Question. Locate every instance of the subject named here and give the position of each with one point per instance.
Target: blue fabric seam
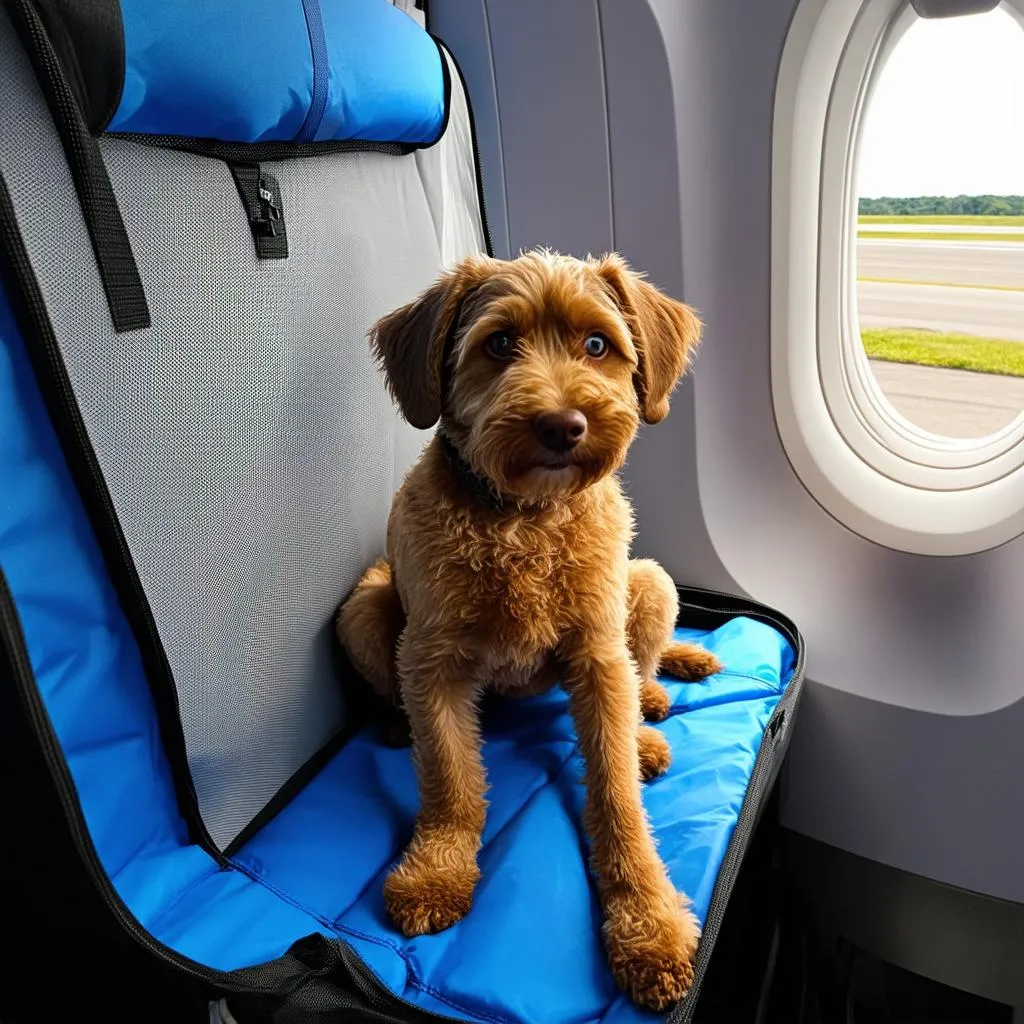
(737, 675)
(151, 926)
(384, 868)
(418, 982)
(684, 708)
(548, 781)
(252, 873)
(255, 876)
(318, 51)
(336, 925)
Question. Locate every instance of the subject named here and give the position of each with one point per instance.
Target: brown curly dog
(508, 569)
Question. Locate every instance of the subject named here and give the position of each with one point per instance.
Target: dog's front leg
(649, 933)
(432, 886)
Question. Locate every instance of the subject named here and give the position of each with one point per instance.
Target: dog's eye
(596, 346)
(501, 345)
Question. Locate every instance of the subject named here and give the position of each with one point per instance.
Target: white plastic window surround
(416, 13)
(873, 470)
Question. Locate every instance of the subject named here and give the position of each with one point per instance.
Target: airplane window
(940, 233)
(897, 331)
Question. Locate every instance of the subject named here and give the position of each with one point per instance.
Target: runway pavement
(996, 264)
(942, 229)
(954, 403)
(896, 292)
(981, 311)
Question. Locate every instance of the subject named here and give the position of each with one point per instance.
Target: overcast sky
(947, 117)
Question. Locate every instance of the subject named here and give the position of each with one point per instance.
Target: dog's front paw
(424, 897)
(651, 954)
(655, 753)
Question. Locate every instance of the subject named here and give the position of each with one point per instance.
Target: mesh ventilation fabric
(246, 438)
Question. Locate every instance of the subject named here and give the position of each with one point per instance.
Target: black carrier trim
(44, 353)
(247, 152)
(709, 609)
(114, 259)
(78, 897)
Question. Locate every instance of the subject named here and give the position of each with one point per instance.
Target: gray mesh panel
(246, 437)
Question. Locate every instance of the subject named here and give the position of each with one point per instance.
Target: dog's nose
(560, 431)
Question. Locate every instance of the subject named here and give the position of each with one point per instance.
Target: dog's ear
(409, 343)
(665, 332)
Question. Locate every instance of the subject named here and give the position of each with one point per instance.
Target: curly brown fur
(536, 585)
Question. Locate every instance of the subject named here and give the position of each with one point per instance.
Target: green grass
(966, 221)
(944, 236)
(954, 351)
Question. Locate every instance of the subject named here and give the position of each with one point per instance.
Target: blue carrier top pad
(280, 71)
(530, 948)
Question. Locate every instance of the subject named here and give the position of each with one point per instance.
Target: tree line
(943, 206)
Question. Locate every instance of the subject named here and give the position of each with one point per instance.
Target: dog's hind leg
(653, 609)
(369, 624)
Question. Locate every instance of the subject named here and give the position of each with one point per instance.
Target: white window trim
(880, 475)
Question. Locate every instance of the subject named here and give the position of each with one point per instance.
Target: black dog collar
(479, 486)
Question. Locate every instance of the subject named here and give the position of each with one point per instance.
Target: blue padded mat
(280, 71)
(528, 951)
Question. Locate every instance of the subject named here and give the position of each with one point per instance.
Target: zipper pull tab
(261, 199)
(269, 209)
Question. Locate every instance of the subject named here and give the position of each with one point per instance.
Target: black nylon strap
(88, 39)
(261, 199)
(118, 271)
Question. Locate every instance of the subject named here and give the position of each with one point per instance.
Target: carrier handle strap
(119, 273)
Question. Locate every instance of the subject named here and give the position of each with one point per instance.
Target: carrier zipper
(733, 605)
(766, 767)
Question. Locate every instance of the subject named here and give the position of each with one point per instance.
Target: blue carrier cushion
(197, 456)
(251, 71)
(310, 71)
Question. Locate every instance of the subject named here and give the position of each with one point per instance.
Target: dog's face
(541, 367)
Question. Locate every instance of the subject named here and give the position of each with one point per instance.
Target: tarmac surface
(921, 283)
(953, 403)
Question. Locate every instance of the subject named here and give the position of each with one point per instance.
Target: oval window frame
(887, 479)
